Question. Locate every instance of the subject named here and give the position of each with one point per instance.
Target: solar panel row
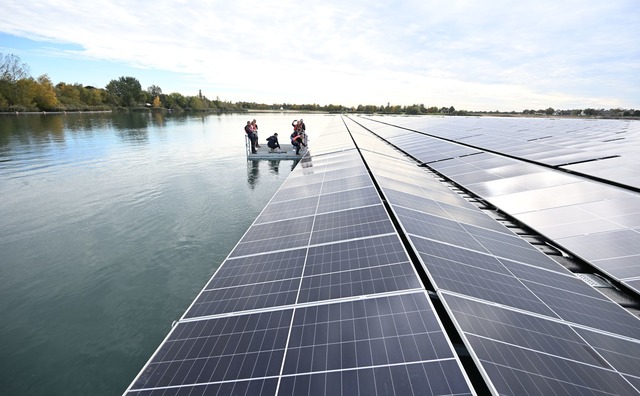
(595, 221)
(319, 297)
(532, 326)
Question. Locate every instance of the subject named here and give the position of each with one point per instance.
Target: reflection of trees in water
(32, 128)
(132, 126)
(87, 122)
(253, 168)
(131, 120)
(157, 118)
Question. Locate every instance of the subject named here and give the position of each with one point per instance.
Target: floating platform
(287, 151)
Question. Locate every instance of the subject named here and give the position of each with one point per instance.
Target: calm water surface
(110, 224)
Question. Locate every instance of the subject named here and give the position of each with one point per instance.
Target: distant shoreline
(506, 115)
(52, 112)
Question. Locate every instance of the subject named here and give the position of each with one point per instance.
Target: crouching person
(272, 143)
(297, 141)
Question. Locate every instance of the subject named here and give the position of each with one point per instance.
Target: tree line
(19, 92)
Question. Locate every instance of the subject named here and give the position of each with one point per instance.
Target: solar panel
(507, 274)
(328, 299)
(318, 297)
(536, 355)
(539, 195)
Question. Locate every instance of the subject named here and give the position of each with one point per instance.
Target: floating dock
(287, 152)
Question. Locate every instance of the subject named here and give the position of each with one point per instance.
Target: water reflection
(158, 119)
(133, 120)
(134, 135)
(274, 166)
(42, 129)
(253, 170)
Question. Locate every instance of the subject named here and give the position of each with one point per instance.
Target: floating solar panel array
(531, 326)
(325, 292)
(520, 166)
(319, 297)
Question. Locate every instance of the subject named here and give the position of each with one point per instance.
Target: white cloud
(470, 54)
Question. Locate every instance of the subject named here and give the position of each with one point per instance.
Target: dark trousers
(253, 139)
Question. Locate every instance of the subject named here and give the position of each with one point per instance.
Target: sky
(483, 55)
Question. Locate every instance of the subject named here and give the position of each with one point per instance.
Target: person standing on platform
(254, 127)
(252, 137)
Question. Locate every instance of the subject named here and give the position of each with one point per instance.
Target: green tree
(154, 90)
(68, 95)
(25, 93)
(195, 103)
(45, 95)
(176, 101)
(125, 91)
(91, 96)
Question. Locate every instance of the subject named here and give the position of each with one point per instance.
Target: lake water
(110, 224)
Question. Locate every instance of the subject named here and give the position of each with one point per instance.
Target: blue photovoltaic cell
(524, 330)
(274, 236)
(593, 312)
(356, 254)
(342, 173)
(347, 183)
(476, 275)
(259, 268)
(605, 245)
(223, 349)
(524, 354)
(240, 388)
(297, 192)
(518, 371)
(349, 224)
(418, 203)
(365, 333)
(397, 184)
(474, 217)
(437, 228)
(288, 210)
(382, 279)
(425, 379)
(243, 298)
(348, 199)
(622, 354)
(509, 246)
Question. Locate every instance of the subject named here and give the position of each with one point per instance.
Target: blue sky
(475, 55)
